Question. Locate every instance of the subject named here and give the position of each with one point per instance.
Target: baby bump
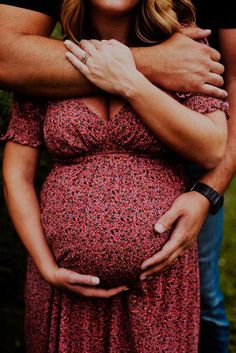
(102, 224)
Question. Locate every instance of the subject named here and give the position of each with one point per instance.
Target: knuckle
(165, 257)
(196, 85)
(71, 278)
(168, 262)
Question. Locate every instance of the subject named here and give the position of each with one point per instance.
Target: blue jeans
(214, 327)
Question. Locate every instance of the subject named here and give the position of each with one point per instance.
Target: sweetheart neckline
(105, 121)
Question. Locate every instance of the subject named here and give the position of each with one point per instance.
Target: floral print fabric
(109, 184)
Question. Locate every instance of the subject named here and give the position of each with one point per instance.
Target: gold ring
(84, 58)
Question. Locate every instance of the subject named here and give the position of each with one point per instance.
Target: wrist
(215, 199)
(49, 273)
(205, 203)
(147, 60)
(131, 87)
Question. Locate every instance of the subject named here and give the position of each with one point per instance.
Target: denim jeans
(214, 327)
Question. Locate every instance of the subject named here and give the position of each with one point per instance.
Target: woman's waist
(158, 156)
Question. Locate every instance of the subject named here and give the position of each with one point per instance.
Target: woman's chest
(78, 127)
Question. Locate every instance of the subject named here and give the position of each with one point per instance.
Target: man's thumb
(166, 221)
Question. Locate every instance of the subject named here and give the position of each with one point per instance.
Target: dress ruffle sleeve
(26, 122)
(201, 103)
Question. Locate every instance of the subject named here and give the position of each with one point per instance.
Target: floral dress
(109, 183)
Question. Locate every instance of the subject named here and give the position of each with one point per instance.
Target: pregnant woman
(118, 165)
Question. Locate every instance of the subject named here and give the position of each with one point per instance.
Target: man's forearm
(37, 66)
(220, 178)
(30, 62)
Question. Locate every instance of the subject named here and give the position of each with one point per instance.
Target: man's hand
(182, 64)
(186, 217)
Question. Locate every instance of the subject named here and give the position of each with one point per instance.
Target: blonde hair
(153, 20)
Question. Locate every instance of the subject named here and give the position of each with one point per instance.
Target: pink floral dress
(109, 183)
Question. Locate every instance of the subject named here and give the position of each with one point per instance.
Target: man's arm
(189, 211)
(220, 178)
(183, 64)
(31, 63)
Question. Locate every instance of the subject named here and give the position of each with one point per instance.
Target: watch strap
(216, 199)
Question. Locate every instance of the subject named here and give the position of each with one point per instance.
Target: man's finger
(172, 245)
(163, 265)
(215, 80)
(166, 221)
(214, 54)
(196, 33)
(175, 242)
(217, 68)
(214, 91)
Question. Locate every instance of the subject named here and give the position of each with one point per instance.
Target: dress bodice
(72, 130)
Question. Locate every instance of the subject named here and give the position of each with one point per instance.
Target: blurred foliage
(13, 258)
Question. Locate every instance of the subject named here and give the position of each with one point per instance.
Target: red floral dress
(109, 183)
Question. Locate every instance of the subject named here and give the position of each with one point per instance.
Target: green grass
(228, 261)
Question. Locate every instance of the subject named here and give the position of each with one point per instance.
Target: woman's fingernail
(67, 42)
(159, 228)
(126, 289)
(95, 280)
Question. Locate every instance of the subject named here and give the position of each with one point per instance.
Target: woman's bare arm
(199, 138)
(111, 67)
(19, 166)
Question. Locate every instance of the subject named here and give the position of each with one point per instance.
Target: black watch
(216, 199)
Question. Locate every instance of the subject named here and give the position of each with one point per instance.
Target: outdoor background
(13, 260)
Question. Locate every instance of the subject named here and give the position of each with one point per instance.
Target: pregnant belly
(102, 224)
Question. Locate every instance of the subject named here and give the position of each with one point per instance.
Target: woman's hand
(81, 284)
(108, 64)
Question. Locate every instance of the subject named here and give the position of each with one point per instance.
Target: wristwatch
(216, 199)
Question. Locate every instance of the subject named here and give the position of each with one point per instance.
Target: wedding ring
(84, 58)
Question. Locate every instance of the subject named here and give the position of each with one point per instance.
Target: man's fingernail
(95, 280)
(159, 228)
(126, 289)
(143, 277)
